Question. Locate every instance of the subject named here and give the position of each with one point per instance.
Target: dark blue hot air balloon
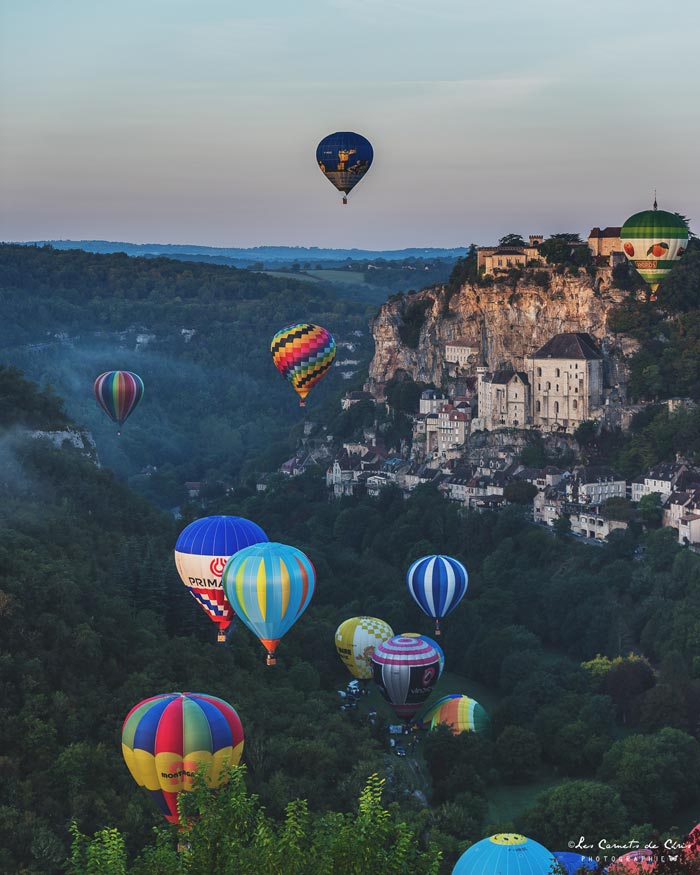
(575, 864)
(344, 157)
(437, 584)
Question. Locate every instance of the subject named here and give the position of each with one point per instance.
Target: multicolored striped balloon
(437, 584)
(269, 587)
(356, 640)
(406, 669)
(201, 553)
(458, 712)
(507, 854)
(303, 353)
(167, 738)
(653, 241)
(118, 393)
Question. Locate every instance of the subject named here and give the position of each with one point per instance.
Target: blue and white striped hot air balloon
(437, 584)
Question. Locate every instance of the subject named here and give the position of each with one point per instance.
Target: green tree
(520, 492)
(573, 809)
(517, 754)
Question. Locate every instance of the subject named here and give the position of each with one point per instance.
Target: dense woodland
(587, 660)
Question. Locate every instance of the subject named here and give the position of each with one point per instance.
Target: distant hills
(269, 256)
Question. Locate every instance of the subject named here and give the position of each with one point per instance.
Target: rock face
(507, 321)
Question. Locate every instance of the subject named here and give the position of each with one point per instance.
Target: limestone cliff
(506, 320)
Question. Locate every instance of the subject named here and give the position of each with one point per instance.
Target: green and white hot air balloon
(653, 241)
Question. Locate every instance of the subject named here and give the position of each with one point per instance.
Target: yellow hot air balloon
(356, 640)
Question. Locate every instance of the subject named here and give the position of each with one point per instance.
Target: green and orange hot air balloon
(653, 241)
(303, 353)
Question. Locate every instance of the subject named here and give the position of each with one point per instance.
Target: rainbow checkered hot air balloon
(303, 353)
(506, 854)
(437, 584)
(458, 712)
(201, 553)
(118, 393)
(269, 587)
(167, 738)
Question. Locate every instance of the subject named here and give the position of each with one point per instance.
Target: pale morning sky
(197, 120)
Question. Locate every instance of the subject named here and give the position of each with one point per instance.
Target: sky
(196, 121)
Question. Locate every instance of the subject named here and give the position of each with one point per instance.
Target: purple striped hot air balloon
(437, 585)
(406, 669)
(118, 393)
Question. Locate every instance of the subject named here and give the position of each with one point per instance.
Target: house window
(539, 372)
(556, 408)
(557, 373)
(539, 386)
(537, 406)
(557, 387)
(575, 403)
(549, 385)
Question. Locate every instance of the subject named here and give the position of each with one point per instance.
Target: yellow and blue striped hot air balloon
(167, 738)
(303, 353)
(269, 587)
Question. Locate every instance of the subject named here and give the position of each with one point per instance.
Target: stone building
(566, 382)
(504, 399)
(446, 430)
(492, 259)
(462, 353)
(606, 242)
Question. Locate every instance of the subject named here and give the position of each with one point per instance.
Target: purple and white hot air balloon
(437, 584)
(406, 669)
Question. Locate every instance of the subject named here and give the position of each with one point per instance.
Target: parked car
(400, 751)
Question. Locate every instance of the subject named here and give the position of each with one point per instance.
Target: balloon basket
(345, 201)
(437, 630)
(302, 403)
(271, 659)
(221, 636)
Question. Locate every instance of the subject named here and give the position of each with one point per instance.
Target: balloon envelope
(653, 241)
(406, 669)
(459, 713)
(269, 587)
(201, 553)
(575, 864)
(441, 652)
(356, 640)
(506, 854)
(303, 353)
(437, 584)
(118, 393)
(344, 158)
(167, 738)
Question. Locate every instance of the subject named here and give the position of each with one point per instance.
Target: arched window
(549, 385)
(537, 406)
(556, 408)
(557, 373)
(539, 372)
(557, 385)
(575, 404)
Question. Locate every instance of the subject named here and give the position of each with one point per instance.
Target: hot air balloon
(634, 862)
(201, 553)
(303, 353)
(344, 157)
(118, 393)
(575, 864)
(653, 241)
(269, 587)
(167, 738)
(437, 584)
(506, 854)
(693, 842)
(406, 669)
(459, 713)
(356, 640)
(441, 652)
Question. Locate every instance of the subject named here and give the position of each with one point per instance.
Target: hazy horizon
(170, 122)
